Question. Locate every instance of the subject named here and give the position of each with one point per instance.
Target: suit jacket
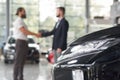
(60, 35)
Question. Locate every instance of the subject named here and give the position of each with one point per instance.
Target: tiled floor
(40, 71)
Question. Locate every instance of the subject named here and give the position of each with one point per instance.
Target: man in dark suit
(59, 32)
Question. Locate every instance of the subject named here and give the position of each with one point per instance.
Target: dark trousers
(20, 56)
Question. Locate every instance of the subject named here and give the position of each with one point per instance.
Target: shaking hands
(38, 35)
(40, 32)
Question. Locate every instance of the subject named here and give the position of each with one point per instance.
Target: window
(2, 20)
(100, 15)
(100, 8)
(32, 11)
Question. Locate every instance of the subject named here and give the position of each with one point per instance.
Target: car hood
(89, 48)
(8, 45)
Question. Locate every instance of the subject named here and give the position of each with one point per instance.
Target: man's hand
(27, 32)
(59, 50)
(38, 35)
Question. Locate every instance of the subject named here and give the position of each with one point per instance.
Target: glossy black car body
(95, 56)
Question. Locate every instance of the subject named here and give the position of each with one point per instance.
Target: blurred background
(84, 16)
(41, 15)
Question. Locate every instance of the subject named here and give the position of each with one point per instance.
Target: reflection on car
(9, 50)
(95, 56)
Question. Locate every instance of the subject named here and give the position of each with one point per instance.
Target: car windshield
(12, 41)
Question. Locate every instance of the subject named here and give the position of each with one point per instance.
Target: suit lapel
(59, 24)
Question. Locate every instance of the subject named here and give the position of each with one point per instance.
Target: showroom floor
(40, 71)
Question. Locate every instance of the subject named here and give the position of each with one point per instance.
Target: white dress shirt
(58, 22)
(18, 23)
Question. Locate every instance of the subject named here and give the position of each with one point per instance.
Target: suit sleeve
(49, 33)
(64, 31)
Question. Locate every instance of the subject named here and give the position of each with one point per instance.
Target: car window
(11, 41)
(30, 40)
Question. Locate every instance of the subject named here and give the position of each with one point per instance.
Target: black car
(9, 50)
(95, 56)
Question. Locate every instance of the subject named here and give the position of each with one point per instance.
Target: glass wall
(47, 21)
(100, 8)
(75, 13)
(2, 20)
(100, 14)
(32, 10)
(41, 14)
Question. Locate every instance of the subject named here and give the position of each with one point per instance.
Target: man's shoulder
(64, 20)
(18, 20)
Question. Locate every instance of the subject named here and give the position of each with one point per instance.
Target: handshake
(38, 35)
(40, 32)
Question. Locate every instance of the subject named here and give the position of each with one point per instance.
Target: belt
(21, 40)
